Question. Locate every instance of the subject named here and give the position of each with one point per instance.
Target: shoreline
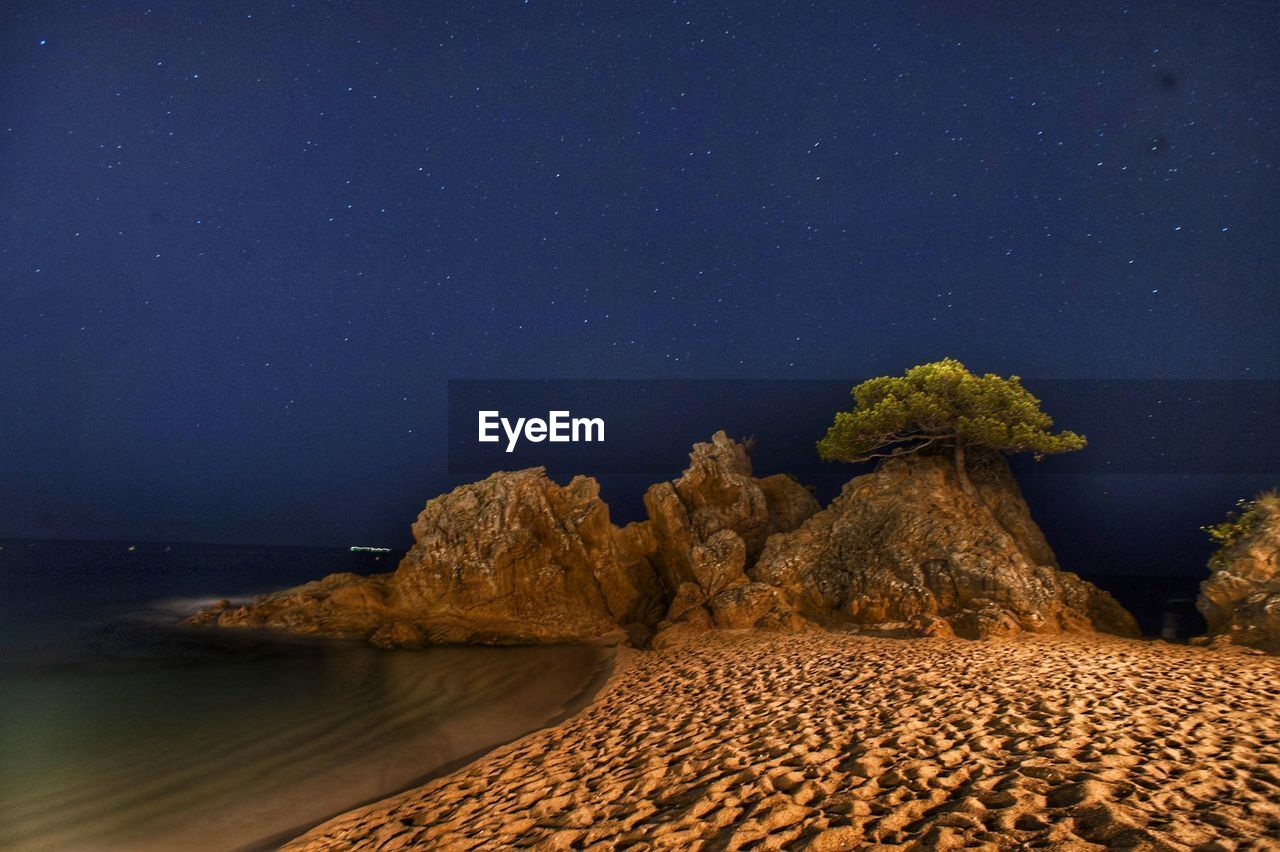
(278, 733)
(835, 741)
(612, 664)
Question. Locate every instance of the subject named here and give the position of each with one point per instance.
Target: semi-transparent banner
(643, 426)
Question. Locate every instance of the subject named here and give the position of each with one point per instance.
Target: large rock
(514, 558)
(710, 526)
(340, 605)
(906, 548)
(1241, 598)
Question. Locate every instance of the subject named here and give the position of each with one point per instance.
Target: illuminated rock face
(512, 559)
(710, 526)
(1241, 598)
(905, 549)
(516, 558)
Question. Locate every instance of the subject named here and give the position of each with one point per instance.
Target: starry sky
(245, 246)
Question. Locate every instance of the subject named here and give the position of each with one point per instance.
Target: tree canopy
(944, 406)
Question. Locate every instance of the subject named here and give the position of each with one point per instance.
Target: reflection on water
(190, 744)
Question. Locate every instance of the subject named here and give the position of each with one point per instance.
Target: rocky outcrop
(906, 549)
(518, 559)
(714, 520)
(710, 526)
(345, 606)
(514, 558)
(1241, 598)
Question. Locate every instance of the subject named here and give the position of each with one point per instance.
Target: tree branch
(901, 451)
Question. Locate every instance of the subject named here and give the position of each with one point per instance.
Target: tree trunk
(962, 473)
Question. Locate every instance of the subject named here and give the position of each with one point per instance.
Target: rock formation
(1241, 598)
(904, 548)
(514, 558)
(710, 525)
(517, 559)
(346, 606)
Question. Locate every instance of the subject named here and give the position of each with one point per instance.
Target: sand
(834, 741)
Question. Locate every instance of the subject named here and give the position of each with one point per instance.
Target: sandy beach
(835, 741)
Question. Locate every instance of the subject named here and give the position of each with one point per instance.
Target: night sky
(245, 246)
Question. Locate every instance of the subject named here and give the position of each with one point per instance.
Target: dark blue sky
(245, 245)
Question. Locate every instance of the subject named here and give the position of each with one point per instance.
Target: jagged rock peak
(712, 522)
(710, 526)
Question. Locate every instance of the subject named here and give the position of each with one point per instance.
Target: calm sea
(120, 730)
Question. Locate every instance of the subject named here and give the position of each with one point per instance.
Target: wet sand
(835, 741)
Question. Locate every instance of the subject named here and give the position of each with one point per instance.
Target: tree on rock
(1241, 524)
(943, 407)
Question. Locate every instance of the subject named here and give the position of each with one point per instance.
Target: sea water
(120, 729)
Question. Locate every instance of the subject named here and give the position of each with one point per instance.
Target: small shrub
(1241, 523)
